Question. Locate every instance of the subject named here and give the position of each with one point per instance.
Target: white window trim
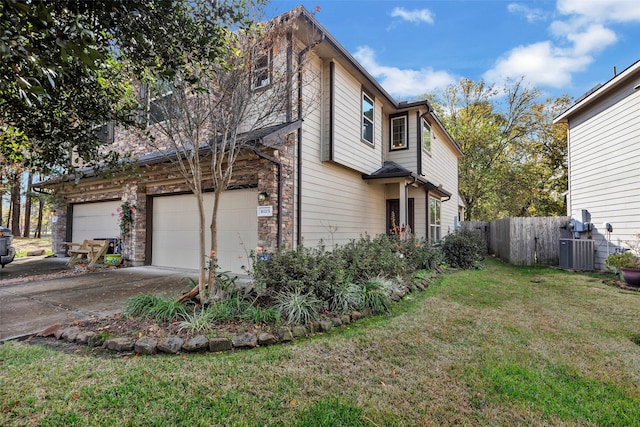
(426, 147)
(404, 136)
(438, 224)
(257, 71)
(373, 122)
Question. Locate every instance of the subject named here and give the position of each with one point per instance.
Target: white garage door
(176, 230)
(95, 220)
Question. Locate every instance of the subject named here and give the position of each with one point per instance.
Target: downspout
(279, 218)
(301, 56)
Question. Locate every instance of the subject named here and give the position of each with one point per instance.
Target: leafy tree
(67, 65)
(207, 113)
(515, 158)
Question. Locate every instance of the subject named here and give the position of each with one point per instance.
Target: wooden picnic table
(90, 250)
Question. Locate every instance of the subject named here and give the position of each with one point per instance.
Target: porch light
(263, 196)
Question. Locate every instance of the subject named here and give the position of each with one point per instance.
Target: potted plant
(626, 263)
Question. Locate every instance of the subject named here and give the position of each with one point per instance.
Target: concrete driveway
(32, 298)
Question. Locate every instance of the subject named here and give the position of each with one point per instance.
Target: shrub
(376, 295)
(420, 254)
(314, 270)
(366, 258)
(621, 260)
(464, 248)
(297, 307)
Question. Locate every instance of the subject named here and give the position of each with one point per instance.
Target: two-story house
(347, 159)
(603, 141)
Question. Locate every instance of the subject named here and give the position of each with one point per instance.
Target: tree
(211, 113)
(67, 65)
(514, 156)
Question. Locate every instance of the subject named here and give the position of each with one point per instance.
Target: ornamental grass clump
(157, 308)
(376, 295)
(298, 307)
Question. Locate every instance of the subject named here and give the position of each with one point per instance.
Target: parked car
(7, 252)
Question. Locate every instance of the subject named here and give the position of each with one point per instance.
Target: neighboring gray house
(356, 160)
(604, 159)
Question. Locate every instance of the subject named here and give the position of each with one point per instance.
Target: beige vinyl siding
(605, 177)
(440, 167)
(420, 211)
(337, 204)
(348, 148)
(408, 157)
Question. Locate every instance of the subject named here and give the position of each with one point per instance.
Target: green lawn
(499, 346)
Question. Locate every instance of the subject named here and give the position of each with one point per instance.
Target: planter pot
(631, 276)
(113, 259)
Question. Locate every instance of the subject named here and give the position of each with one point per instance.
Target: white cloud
(540, 64)
(416, 16)
(530, 14)
(403, 83)
(601, 10)
(594, 39)
(583, 32)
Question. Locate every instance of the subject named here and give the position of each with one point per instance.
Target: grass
(499, 346)
(24, 246)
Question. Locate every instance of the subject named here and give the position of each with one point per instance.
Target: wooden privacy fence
(524, 241)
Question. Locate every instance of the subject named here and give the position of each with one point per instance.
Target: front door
(394, 223)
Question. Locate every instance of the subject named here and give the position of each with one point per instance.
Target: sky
(562, 47)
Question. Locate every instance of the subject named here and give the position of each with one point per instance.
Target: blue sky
(419, 46)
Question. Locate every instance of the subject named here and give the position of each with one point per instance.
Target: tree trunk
(40, 213)
(27, 208)
(213, 228)
(15, 205)
(202, 279)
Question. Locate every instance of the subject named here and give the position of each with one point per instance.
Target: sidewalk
(33, 298)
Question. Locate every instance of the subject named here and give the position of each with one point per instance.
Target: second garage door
(176, 230)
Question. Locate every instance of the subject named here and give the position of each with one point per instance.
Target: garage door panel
(95, 220)
(176, 224)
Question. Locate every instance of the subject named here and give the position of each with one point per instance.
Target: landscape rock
(36, 252)
(146, 345)
(325, 325)
(50, 330)
(266, 338)
(219, 344)
(336, 321)
(96, 340)
(119, 344)
(284, 334)
(83, 337)
(170, 345)
(356, 315)
(244, 340)
(70, 334)
(346, 319)
(197, 343)
(299, 331)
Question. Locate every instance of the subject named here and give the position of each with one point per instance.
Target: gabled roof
(630, 73)
(394, 170)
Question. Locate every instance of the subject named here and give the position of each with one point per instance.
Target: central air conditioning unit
(577, 254)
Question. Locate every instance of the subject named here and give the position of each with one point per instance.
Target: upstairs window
(367, 118)
(426, 136)
(399, 133)
(105, 133)
(157, 101)
(262, 69)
